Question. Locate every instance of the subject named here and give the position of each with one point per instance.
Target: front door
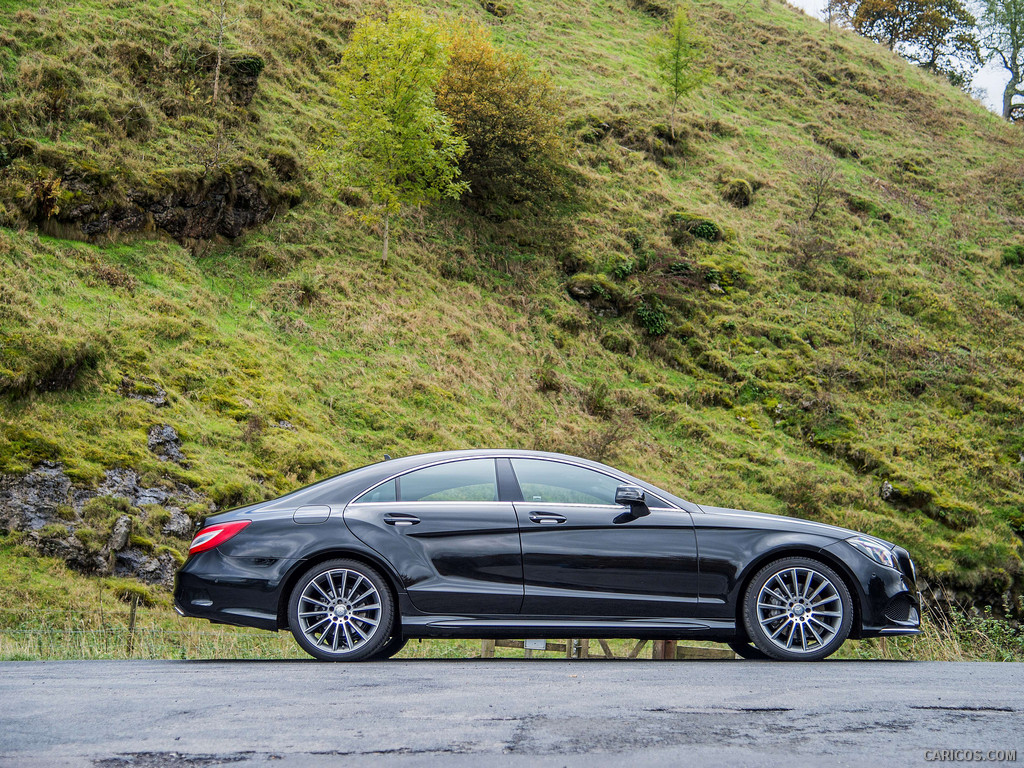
(585, 555)
(444, 531)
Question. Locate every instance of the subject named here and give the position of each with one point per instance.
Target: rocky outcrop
(138, 564)
(120, 535)
(146, 390)
(31, 502)
(163, 440)
(49, 508)
(225, 205)
(180, 525)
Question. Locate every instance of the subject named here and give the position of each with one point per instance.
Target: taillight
(215, 535)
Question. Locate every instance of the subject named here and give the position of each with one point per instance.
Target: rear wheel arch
(812, 553)
(333, 554)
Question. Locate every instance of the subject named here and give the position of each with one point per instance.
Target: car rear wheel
(797, 609)
(341, 610)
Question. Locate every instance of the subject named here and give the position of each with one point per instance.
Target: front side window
(471, 480)
(552, 482)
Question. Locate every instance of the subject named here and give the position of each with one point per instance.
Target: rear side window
(384, 492)
(555, 483)
(471, 480)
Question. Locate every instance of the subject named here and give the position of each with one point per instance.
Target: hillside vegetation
(679, 313)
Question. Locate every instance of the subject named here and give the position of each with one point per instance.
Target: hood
(783, 523)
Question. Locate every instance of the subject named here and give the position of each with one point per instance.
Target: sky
(991, 78)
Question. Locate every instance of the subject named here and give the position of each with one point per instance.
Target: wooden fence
(664, 650)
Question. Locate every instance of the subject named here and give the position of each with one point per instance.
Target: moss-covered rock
(598, 293)
(739, 192)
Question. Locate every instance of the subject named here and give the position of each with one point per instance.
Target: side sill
(505, 627)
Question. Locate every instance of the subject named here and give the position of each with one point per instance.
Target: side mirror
(635, 498)
(630, 495)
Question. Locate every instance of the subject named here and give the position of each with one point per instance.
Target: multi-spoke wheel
(341, 610)
(797, 609)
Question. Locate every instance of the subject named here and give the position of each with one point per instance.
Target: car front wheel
(797, 609)
(341, 610)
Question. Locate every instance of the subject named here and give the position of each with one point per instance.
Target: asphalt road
(499, 712)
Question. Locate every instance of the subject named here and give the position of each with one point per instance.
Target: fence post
(131, 625)
(486, 649)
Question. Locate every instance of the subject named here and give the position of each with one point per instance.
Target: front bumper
(889, 603)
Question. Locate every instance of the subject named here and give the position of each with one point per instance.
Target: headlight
(875, 550)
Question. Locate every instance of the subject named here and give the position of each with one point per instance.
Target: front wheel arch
(837, 565)
(302, 566)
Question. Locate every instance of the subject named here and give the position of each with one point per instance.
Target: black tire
(747, 650)
(390, 648)
(776, 605)
(341, 610)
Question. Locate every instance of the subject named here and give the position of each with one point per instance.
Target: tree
(394, 142)
(937, 35)
(1002, 29)
(947, 44)
(680, 58)
(221, 22)
(510, 116)
(818, 176)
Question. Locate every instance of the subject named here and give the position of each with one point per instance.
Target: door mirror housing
(630, 495)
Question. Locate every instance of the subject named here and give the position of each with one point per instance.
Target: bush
(685, 226)
(659, 9)
(499, 9)
(623, 267)
(619, 343)
(651, 316)
(510, 117)
(1013, 256)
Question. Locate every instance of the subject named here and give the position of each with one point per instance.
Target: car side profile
(527, 544)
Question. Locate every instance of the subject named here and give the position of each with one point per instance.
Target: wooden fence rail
(578, 648)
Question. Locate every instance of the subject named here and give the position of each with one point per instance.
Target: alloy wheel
(339, 611)
(800, 610)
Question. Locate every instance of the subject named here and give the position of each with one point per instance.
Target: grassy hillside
(742, 356)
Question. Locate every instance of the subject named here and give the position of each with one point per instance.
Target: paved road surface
(109, 714)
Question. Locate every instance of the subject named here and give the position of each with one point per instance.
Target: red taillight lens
(215, 535)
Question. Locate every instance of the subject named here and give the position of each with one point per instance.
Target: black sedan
(524, 544)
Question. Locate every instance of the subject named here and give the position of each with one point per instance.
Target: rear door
(585, 555)
(443, 529)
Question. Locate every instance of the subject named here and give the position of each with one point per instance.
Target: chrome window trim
(511, 457)
(619, 480)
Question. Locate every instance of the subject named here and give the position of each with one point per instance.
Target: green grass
(880, 342)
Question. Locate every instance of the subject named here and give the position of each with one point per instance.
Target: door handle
(546, 518)
(400, 520)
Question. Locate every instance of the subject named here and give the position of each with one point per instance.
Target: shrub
(1013, 255)
(510, 116)
(623, 267)
(499, 9)
(684, 226)
(864, 207)
(651, 316)
(819, 177)
(659, 9)
(635, 238)
(619, 343)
